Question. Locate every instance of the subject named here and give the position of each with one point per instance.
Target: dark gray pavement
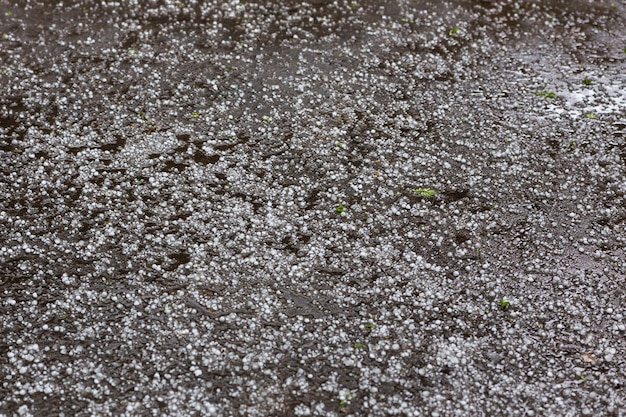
(332, 208)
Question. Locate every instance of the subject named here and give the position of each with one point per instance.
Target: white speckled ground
(324, 208)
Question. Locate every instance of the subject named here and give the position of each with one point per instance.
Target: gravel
(248, 208)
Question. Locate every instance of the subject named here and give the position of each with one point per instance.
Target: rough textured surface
(322, 208)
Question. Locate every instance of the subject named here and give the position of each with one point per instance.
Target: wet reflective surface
(320, 208)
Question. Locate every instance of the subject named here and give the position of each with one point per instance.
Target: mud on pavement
(312, 208)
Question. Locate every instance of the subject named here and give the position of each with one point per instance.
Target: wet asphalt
(333, 208)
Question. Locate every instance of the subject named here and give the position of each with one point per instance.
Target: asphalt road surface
(325, 208)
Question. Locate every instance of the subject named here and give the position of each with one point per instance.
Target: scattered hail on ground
(328, 208)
